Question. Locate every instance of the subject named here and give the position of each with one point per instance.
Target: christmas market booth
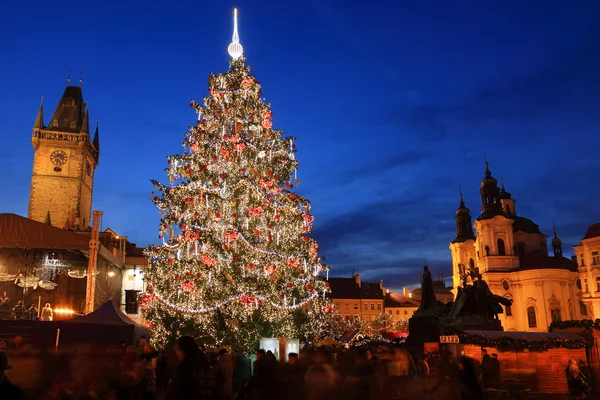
(107, 325)
(536, 361)
(42, 264)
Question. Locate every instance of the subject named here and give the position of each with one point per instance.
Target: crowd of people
(186, 370)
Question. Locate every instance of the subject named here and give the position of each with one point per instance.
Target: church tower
(494, 227)
(463, 245)
(65, 158)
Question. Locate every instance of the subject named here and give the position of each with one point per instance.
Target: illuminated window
(337, 305)
(347, 306)
(405, 312)
(372, 307)
(531, 317)
(581, 262)
(582, 308)
(356, 306)
(598, 284)
(366, 307)
(378, 307)
(397, 312)
(390, 312)
(595, 258)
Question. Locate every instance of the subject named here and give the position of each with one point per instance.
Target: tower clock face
(58, 157)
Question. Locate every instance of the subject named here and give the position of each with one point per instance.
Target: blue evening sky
(393, 104)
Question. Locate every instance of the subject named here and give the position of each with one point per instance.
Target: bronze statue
(428, 299)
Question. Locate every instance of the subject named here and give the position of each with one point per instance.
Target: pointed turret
(557, 244)
(97, 142)
(48, 219)
(39, 120)
(69, 115)
(490, 195)
(508, 203)
(464, 227)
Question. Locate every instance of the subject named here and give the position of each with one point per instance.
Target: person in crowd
(423, 368)
(470, 388)
(224, 372)
(586, 370)
(47, 313)
(18, 311)
(131, 374)
(142, 345)
(363, 383)
(193, 380)
(577, 384)
(291, 379)
(487, 368)
(447, 374)
(495, 363)
(8, 390)
(149, 375)
(32, 312)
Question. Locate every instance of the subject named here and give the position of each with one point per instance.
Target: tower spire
(235, 49)
(556, 243)
(39, 120)
(96, 140)
(69, 78)
(464, 227)
(80, 78)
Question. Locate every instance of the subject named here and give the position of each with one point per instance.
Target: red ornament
(198, 275)
(170, 261)
(277, 216)
(177, 279)
(250, 266)
(196, 214)
(227, 247)
(281, 296)
(218, 215)
(289, 285)
(326, 284)
(257, 232)
(188, 274)
(156, 198)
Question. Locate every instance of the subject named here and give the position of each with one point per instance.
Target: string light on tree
(237, 261)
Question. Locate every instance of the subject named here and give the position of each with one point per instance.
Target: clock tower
(64, 162)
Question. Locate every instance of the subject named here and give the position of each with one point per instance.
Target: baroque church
(511, 254)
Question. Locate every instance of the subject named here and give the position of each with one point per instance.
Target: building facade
(354, 299)
(511, 254)
(588, 284)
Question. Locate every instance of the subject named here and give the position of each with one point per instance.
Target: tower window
(501, 249)
(531, 317)
(508, 210)
(595, 258)
(582, 308)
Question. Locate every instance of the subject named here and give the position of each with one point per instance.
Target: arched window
(501, 249)
(556, 315)
(582, 306)
(508, 210)
(531, 317)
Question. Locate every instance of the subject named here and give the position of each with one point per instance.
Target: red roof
(593, 231)
(18, 232)
(540, 259)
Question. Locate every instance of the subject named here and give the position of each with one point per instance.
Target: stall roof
(529, 336)
(24, 233)
(107, 314)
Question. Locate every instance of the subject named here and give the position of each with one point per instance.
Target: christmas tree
(237, 262)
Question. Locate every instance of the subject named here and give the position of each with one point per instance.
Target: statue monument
(475, 308)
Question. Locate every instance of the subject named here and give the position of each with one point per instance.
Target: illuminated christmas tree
(237, 261)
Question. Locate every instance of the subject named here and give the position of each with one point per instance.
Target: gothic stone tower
(63, 165)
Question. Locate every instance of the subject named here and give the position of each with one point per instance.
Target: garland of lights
(229, 300)
(508, 343)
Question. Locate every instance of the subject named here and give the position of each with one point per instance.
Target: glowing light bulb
(235, 49)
